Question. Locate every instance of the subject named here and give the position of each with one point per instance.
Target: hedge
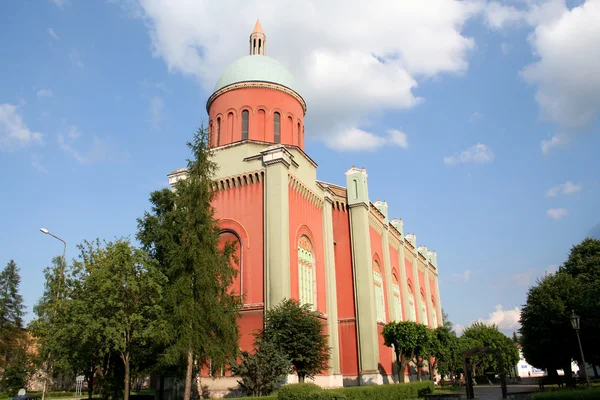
(577, 394)
(398, 391)
(270, 397)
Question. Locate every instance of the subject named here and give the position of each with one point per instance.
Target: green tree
(262, 371)
(12, 309)
(489, 336)
(443, 342)
(17, 371)
(124, 295)
(409, 340)
(182, 234)
(298, 332)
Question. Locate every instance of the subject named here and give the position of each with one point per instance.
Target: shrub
(395, 391)
(580, 394)
(272, 397)
(297, 391)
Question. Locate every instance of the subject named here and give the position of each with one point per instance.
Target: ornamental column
(412, 238)
(385, 243)
(366, 315)
(428, 298)
(277, 160)
(331, 291)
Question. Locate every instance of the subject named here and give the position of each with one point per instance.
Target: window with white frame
(424, 310)
(379, 296)
(307, 275)
(397, 301)
(412, 316)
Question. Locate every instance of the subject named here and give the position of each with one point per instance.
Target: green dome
(256, 68)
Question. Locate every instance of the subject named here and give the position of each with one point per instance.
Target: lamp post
(46, 232)
(575, 323)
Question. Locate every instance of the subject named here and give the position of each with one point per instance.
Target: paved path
(495, 392)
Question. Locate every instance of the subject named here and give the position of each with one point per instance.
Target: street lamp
(46, 232)
(575, 323)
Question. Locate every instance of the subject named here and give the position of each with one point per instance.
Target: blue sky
(476, 121)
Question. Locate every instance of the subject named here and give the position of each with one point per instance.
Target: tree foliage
(547, 336)
(262, 371)
(409, 340)
(298, 332)
(182, 234)
(480, 334)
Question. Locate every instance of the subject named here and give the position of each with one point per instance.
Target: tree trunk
(418, 365)
(187, 394)
(300, 378)
(127, 379)
(90, 383)
(161, 390)
(402, 373)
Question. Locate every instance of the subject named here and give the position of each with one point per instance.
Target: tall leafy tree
(298, 332)
(443, 342)
(124, 294)
(489, 336)
(182, 234)
(409, 340)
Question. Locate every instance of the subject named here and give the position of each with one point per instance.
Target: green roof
(256, 68)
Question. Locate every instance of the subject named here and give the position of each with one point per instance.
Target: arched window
(397, 302)
(218, 131)
(412, 313)
(277, 127)
(379, 296)
(299, 135)
(245, 116)
(433, 313)
(307, 273)
(230, 237)
(424, 310)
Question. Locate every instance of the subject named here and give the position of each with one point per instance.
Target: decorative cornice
(231, 182)
(304, 191)
(255, 84)
(351, 206)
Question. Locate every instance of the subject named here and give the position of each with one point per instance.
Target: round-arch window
(307, 272)
(379, 296)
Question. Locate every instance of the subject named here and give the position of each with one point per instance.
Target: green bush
(297, 391)
(577, 394)
(394, 391)
(271, 397)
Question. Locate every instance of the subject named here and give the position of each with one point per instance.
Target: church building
(324, 244)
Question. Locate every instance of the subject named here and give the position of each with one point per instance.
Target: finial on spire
(257, 40)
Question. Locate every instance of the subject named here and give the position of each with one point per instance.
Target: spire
(257, 40)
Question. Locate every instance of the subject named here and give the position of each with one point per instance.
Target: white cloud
(478, 154)
(99, 150)
(462, 277)
(355, 139)
(557, 213)
(505, 319)
(458, 328)
(350, 59)
(59, 3)
(13, 131)
(564, 188)
(156, 109)
(53, 34)
(44, 93)
(523, 278)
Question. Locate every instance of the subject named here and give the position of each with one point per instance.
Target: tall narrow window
(412, 316)
(307, 274)
(245, 114)
(277, 127)
(259, 45)
(424, 310)
(299, 138)
(397, 307)
(218, 131)
(355, 189)
(379, 296)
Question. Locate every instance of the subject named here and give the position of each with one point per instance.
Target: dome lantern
(257, 40)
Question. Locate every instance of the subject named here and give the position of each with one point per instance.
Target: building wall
(415, 285)
(345, 290)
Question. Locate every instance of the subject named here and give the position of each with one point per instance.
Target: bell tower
(257, 40)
